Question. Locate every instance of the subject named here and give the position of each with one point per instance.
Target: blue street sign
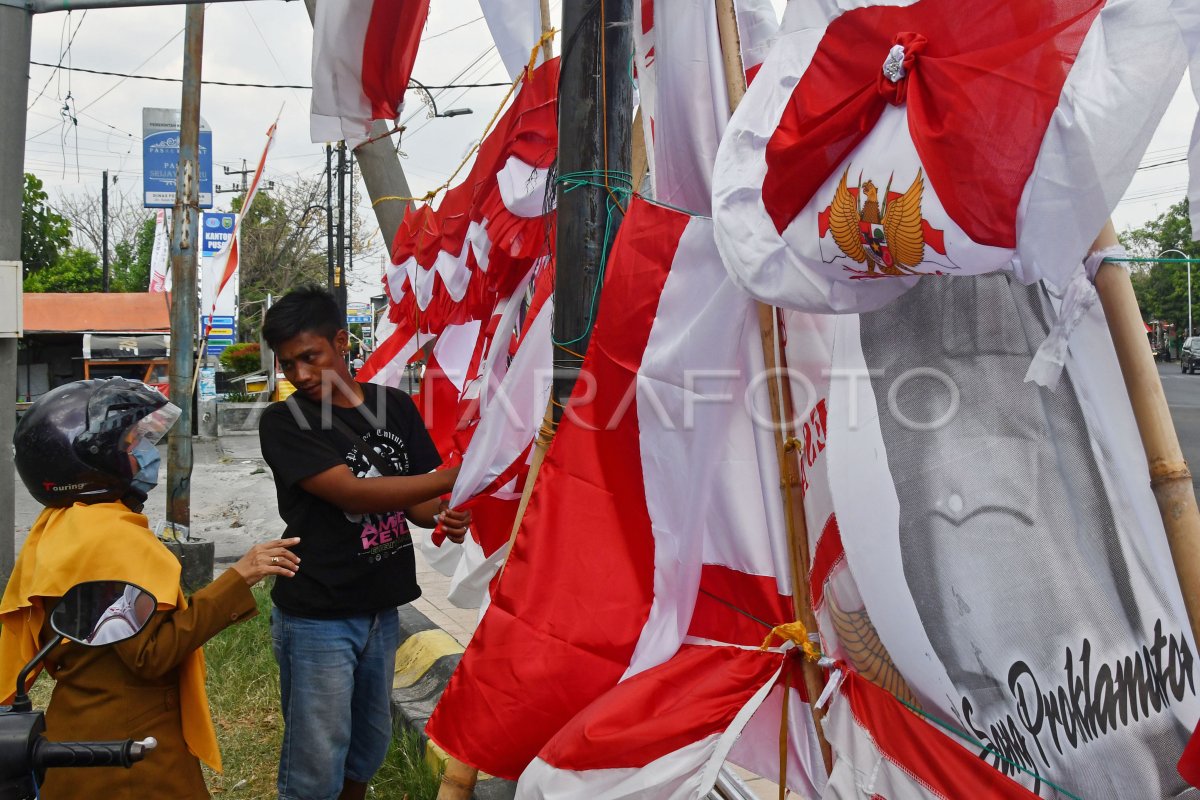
(216, 228)
(358, 319)
(160, 158)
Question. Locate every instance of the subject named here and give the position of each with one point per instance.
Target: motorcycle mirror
(102, 612)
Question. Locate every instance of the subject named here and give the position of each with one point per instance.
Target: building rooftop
(97, 312)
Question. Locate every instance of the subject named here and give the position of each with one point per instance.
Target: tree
(131, 260)
(76, 270)
(1161, 289)
(85, 213)
(45, 234)
(283, 245)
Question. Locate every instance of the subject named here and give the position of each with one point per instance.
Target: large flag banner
(362, 57)
(878, 143)
(990, 550)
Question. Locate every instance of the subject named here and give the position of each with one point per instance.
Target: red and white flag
(624, 570)
(896, 139)
(225, 263)
(362, 57)
(457, 262)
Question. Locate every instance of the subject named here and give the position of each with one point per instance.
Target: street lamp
(1189, 268)
(454, 112)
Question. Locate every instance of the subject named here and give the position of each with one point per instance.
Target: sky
(269, 42)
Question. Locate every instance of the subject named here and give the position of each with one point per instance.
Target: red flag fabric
(363, 55)
(969, 71)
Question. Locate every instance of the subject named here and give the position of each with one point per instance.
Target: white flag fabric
(862, 157)
(1188, 15)
(516, 26)
(160, 262)
(681, 83)
(362, 57)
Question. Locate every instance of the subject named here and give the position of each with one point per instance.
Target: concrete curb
(424, 663)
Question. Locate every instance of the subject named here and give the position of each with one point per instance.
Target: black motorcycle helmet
(73, 444)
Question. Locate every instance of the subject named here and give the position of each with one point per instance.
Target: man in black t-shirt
(352, 464)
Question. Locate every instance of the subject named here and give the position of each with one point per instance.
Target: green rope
(615, 185)
(971, 739)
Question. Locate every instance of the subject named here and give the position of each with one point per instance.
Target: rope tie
(618, 186)
(797, 634)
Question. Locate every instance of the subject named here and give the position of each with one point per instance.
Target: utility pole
(245, 185)
(16, 26)
(104, 230)
(595, 118)
(185, 220)
(329, 216)
(339, 276)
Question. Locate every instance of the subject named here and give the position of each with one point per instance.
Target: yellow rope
(793, 632)
(433, 193)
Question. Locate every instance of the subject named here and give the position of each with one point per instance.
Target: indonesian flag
(362, 58)
(225, 263)
(620, 648)
(511, 401)
(681, 83)
(457, 262)
(899, 139)
(160, 266)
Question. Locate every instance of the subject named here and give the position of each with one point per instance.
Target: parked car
(1189, 354)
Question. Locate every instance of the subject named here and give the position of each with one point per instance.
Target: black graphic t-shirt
(350, 563)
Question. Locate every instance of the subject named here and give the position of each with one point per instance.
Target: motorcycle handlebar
(91, 754)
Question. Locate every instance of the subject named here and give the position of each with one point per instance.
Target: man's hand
(454, 522)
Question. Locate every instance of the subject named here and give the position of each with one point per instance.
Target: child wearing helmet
(87, 452)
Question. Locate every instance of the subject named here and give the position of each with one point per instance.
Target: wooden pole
(782, 412)
(1170, 478)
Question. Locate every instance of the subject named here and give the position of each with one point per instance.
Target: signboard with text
(221, 335)
(160, 158)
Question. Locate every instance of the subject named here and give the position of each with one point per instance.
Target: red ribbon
(984, 78)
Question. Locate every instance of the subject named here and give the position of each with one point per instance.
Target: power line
(126, 75)
(62, 56)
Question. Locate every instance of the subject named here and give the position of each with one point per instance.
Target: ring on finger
(274, 559)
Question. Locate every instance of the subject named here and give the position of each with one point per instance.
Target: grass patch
(243, 692)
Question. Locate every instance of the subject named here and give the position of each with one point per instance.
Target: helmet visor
(154, 426)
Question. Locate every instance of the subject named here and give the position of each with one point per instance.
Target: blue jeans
(335, 679)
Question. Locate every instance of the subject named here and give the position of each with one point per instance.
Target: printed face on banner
(1029, 579)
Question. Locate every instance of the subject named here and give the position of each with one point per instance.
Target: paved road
(1183, 398)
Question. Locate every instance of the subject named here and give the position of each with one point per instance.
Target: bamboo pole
(639, 161)
(782, 412)
(1170, 478)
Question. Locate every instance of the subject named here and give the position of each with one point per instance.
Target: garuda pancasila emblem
(888, 239)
